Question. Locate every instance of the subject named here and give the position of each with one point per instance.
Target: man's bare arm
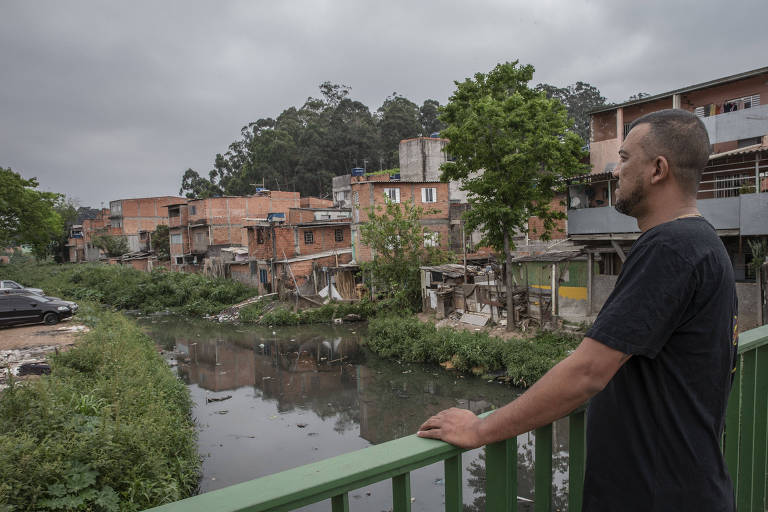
(562, 389)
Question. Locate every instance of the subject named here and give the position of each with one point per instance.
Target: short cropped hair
(681, 137)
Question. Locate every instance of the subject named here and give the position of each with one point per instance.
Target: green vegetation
(512, 147)
(399, 243)
(108, 430)
(523, 360)
(129, 289)
(28, 216)
(260, 313)
(114, 246)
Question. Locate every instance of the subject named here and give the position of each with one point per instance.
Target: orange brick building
(136, 219)
(199, 228)
(295, 249)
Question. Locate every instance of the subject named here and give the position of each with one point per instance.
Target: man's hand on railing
(459, 427)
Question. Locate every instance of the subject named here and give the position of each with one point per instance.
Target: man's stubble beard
(628, 205)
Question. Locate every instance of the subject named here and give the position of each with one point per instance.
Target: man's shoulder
(690, 238)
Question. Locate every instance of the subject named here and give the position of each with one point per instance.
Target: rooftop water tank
(358, 171)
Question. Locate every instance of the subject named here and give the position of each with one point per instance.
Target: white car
(8, 286)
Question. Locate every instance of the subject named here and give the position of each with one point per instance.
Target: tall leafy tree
(69, 212)
(399, 119)
(512, 146)
(429, 117)
(28, 216)
(396, 237)
(579, 100)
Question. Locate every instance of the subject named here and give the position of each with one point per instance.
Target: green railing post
(577, 454)
(401, 493)
(501, 475)
(542, 494)
(761, 423)
(747, 440)
(340, 503)
(733, 427)
(453, 484)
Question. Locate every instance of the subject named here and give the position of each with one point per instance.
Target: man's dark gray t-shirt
(653, 433)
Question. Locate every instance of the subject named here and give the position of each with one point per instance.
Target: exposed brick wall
(315, 202)
(536, 225)
(323, 239)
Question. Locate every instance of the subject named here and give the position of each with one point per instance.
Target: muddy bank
(23, 350)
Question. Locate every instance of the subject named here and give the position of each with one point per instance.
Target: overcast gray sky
(107, 100)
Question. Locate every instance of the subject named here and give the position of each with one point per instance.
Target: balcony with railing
(744, 446)
(733, 196)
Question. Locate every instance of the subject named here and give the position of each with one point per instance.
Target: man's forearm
(566, 386)
(557, 393)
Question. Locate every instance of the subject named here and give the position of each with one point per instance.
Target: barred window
(339, 235)
(309, 238)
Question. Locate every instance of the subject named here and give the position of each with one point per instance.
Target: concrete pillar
(620, 124)
(589, 283)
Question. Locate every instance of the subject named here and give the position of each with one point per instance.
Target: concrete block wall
(421, 158)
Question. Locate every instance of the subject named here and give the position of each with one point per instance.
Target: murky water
(302, 394)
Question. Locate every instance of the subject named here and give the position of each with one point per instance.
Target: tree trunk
(508, 282)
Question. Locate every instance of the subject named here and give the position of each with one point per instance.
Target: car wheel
(51, 318)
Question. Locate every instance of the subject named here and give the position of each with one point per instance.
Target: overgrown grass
(109, 429)
(129, 289)
(524, 361)
(281, 315)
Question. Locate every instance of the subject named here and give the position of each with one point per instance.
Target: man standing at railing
(658, 360)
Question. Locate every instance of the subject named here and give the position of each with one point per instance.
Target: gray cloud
(108, 100)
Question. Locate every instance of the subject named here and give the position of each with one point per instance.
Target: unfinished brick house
(136, 219)
(419, 182)
(200, 228)
(733, 195)
(80, 241)
(297, 250)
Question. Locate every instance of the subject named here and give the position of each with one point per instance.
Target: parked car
(8, 286)
(26, 308)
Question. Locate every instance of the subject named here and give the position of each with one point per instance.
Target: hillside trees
(579, 100)
(512, 146)
(304, 147)
(28, 216)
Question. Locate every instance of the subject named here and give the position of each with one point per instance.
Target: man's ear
(660, 169)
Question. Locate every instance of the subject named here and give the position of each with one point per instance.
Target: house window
(626, 129)
(741, 103)
(179, 260)
(176, 239)
(173, 212)
(192, 210)
(431, 238)
(339, 235)
(393, 194)
(428, 195)
(263, 275)
(309, 238)
(259, 236)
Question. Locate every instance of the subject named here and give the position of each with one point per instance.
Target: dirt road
(26, 347)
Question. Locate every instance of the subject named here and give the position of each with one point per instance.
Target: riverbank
(108, 429)
(518, 360)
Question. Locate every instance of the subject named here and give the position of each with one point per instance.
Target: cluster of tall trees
(304, 147)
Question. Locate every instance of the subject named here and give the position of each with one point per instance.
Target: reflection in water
(302, 394)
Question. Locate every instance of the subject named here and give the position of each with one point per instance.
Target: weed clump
(108, 429)
(523, 361)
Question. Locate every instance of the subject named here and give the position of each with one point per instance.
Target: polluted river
(271, 399)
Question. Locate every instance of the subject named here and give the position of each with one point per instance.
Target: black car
(16, 308)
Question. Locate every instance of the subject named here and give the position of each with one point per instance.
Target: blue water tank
(435, 135)
(358, 171)
(276, 217)
(394, 177)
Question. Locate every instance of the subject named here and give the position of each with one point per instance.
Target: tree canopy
(397, 239)
(28, 216)
(511, 147)
(579, 100)
(304, 147)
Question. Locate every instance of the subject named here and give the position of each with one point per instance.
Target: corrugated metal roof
(741, 151)
(554, 256)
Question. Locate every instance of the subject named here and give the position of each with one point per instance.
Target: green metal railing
(744, 440)
(744, 446)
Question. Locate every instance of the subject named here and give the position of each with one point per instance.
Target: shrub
(524, 361)
(109, 429)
